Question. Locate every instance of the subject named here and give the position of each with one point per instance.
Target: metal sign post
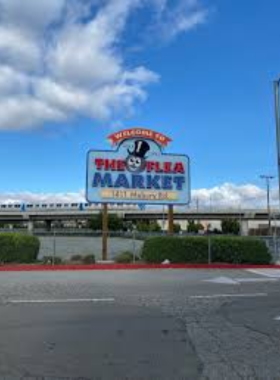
(170, 220)
(105, 232)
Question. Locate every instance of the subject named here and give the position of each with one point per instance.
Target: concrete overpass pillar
(30, 226)
(244, 227)
(48, 225)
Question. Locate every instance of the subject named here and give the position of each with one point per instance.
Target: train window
(51, 205)
(29, 206)
(17, 206)
(74, 204)
(66, 205)
(37, 206)
(3, 206)
(44, 206)
(58, 205)
(10, 206)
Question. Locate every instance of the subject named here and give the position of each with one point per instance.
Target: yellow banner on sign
(141, 195)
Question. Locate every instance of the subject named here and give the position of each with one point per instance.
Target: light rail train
(81, 206)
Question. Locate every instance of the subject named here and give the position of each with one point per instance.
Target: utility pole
(197, 204)
(267, 179)
(277, 119)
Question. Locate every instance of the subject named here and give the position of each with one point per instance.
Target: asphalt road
(171, 324)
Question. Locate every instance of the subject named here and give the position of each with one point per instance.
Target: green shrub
(176, 250)
(176, 228)
(115, 222)
(124, 257)
(240, 250)
(194, 227)
(18, 248)
(195, 250)
(76, 258)
(148, 226)
(230, 226)
(89, 259)
(52, 260)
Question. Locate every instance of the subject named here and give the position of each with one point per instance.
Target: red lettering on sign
(179, 168)
(99, 162)
(167, 167)
(150, 165)
(159, 138)
(110, 165)
(121, 165)
(157, 167)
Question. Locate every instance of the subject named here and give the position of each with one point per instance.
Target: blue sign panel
(137, 172)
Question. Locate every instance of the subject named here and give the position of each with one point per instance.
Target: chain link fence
(273, 244)
(68, 243)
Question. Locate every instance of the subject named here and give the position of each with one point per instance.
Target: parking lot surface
(145, 324)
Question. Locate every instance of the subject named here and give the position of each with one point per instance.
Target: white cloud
(19, 112)
(12, 82)
(30, 197)
(63, 58)
(18, 50)
(233, 196)
(31, 16)
(222, 197)
(181, 16)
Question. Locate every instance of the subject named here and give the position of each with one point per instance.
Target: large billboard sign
(137, 171)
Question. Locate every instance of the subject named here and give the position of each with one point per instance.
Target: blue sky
(198, 71)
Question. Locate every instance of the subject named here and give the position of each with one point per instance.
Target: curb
(34, 267)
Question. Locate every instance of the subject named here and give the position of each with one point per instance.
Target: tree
(95, 223)
(147, 226)
(176, 228)
(115, 222)
(142, 226)
(194, 227)
(154, 227)
(230, 226)
(216, 231)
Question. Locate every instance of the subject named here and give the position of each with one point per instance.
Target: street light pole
(277, 119)
(267, 179)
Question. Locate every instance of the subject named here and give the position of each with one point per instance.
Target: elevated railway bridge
(82, 212)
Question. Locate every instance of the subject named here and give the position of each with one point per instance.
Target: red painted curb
(69, 267)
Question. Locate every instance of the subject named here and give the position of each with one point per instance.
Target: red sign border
(118, 137)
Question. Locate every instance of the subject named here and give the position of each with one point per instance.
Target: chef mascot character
(136, 161)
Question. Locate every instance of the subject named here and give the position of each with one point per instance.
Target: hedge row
(18, 248)
(237, 250)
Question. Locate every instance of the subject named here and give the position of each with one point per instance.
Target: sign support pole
(170, 220)
(105, 232)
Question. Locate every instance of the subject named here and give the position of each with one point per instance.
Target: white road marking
(237, 281)
(231, 295)
(257, 279)
(222, 280)
(277, 318)
(273, 273)
(67, 300)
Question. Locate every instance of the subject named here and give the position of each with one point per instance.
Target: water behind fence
(68, 243)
